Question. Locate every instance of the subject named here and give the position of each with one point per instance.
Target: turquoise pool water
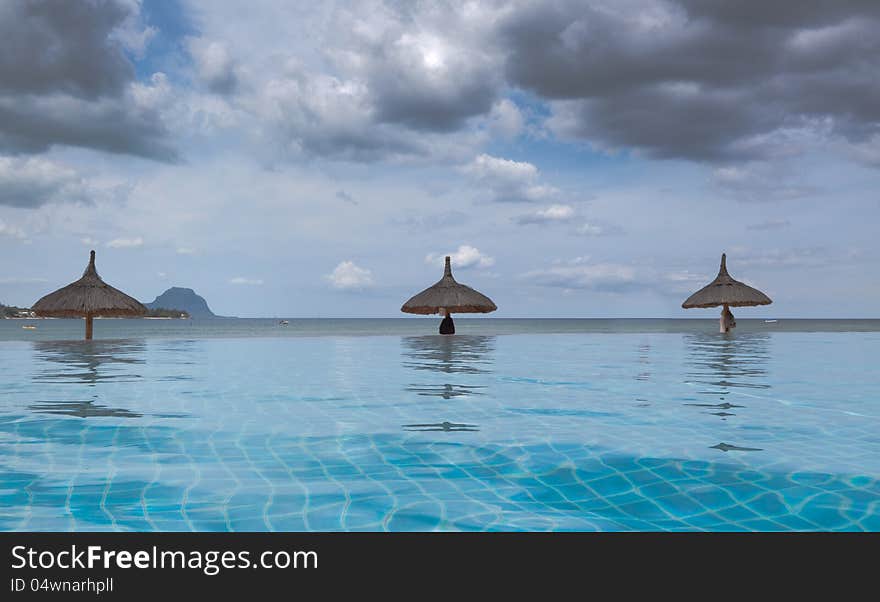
(636, 429)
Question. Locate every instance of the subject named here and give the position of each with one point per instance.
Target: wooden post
(89, 327)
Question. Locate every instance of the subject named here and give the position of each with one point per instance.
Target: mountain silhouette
(183, 299)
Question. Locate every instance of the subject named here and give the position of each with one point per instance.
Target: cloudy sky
(577, 158)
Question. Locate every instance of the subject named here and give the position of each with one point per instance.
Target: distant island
(161, 312)
(181, 300)
(10, 311)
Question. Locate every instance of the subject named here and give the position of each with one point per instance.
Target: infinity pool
(598, 431)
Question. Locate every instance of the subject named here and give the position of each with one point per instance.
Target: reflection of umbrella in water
(727, 292)
(448, 427)
(448, 297)
(89, 362)
(446, 391)
(726, 447)
(465, 354)
(87, 298)
(726, 363)
(644, 358)
(716, 406)
(81, 409)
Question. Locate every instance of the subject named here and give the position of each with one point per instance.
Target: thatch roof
(88, 296)
(724, 290)
(450, 295)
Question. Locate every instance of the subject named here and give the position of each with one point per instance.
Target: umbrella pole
(89, 327)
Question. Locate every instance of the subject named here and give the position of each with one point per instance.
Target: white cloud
(770, 224)
(682, 282)
(350, 276)
(551, 214)
(464, 258)
(33, 181)
(23, 280)
(185, 251)
(756, 182)
(319, 114)
(431, 222)
(11, 231)
(781, 258)
(242, 281)
(133, 34)
(588, 229)
(566, 214)
(507, 180)
(594, 229)
(585, 274)
(866, 152)
(126, 243)
(580, 273)
(505, 119)
(89, 241)
(215, 65)
(155, 96)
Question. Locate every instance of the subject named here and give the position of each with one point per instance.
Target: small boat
(29, 327)
(283, 323)
(770, 321)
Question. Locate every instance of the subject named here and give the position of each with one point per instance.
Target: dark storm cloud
(62, 46)
(362, 144)
(426, 66)
(104, 125)
(65, 79)
(703, 80)
(792, 13)
(424, 105)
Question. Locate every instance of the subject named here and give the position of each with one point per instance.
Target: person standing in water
(447, 326)
(727, 320)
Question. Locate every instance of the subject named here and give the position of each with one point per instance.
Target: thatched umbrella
(86, 298)
(727, 292)
(448, 297)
